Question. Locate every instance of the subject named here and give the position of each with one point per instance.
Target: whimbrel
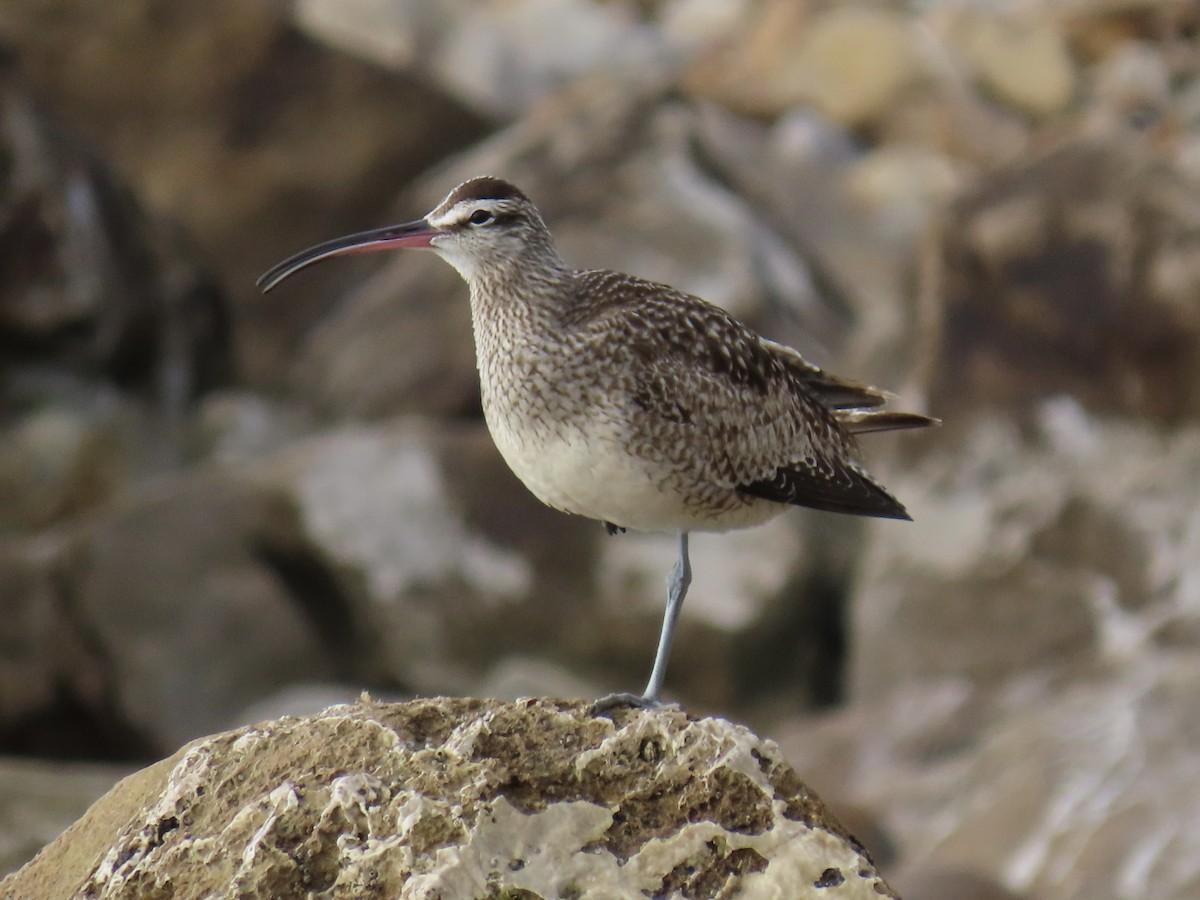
(633, 403)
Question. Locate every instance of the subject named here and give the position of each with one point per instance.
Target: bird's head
(483, 226)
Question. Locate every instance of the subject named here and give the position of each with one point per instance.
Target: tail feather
(865, 421)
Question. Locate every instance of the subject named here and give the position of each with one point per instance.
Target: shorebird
(632, 403)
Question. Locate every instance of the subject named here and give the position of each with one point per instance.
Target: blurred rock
(462, 798)
(33, 643)
(850, 61)
(239, 426)
(1023, 702)
(197, 575)
(88, 283)
(515, 677)
(433, 562)
(56, 696)
(301, 698)
(1024, 63)
(38, 800)
(499, 57)
(1070, 790)
(953, 884)
(55, 462)
(1071, 272)
(255, 139)
(400, 342)
(1060, 563)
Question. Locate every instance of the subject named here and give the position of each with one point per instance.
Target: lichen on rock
(448, 798)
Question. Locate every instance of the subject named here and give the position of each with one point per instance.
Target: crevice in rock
(84, 720)
(801, 645)
(320, 597)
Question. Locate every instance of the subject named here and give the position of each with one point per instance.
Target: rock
(197, 597)
(55, 462)
(39, 799)
(36, 638)
(92, 285)
(301, 698)
(954, 884)
(1051, 563)
(1024, 682)
(850, 61)
(1025, 64)
(517, 677)
(904, 189)
(1067, 791)
(239, 426)
(1067, 273)
(400, 342)
(462, 798)
(499, 57)
(447, 559)
(253, 138)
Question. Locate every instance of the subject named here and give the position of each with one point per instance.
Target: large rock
(253, 137)
(108, 622)
(461, 798)
(1024, 678)
(500, 57)
(1073, 271)
(92, 285)
(39, 799)
(1024, 63)
(851, 61)
(1081, 546)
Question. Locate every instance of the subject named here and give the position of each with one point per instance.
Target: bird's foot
(633, 701)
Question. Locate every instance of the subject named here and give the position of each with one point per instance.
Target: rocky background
(217, 506)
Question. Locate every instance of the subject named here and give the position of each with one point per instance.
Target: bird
(632, 403)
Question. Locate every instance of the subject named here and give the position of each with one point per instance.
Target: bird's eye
(480, 217)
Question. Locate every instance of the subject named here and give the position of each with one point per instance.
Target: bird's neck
(520, 297)
(517, 315)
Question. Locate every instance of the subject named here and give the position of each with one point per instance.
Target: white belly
(585, 470)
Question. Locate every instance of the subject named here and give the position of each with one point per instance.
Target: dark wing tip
(849, 491)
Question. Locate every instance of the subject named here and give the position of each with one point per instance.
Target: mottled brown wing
(734, 410)
(834, 391)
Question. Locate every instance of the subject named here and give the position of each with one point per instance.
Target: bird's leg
(677, 587)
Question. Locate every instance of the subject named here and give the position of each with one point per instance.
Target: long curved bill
(411, 234)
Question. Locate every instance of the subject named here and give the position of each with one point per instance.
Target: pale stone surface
(1081, 550)
(850, 61)
(501, 57)
(461, 798)
(249, 135)
(1026, 64)
(38, 799)
(1025, 681)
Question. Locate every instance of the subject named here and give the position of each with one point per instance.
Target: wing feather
(735, 409)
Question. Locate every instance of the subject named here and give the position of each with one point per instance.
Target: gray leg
(677, 587)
